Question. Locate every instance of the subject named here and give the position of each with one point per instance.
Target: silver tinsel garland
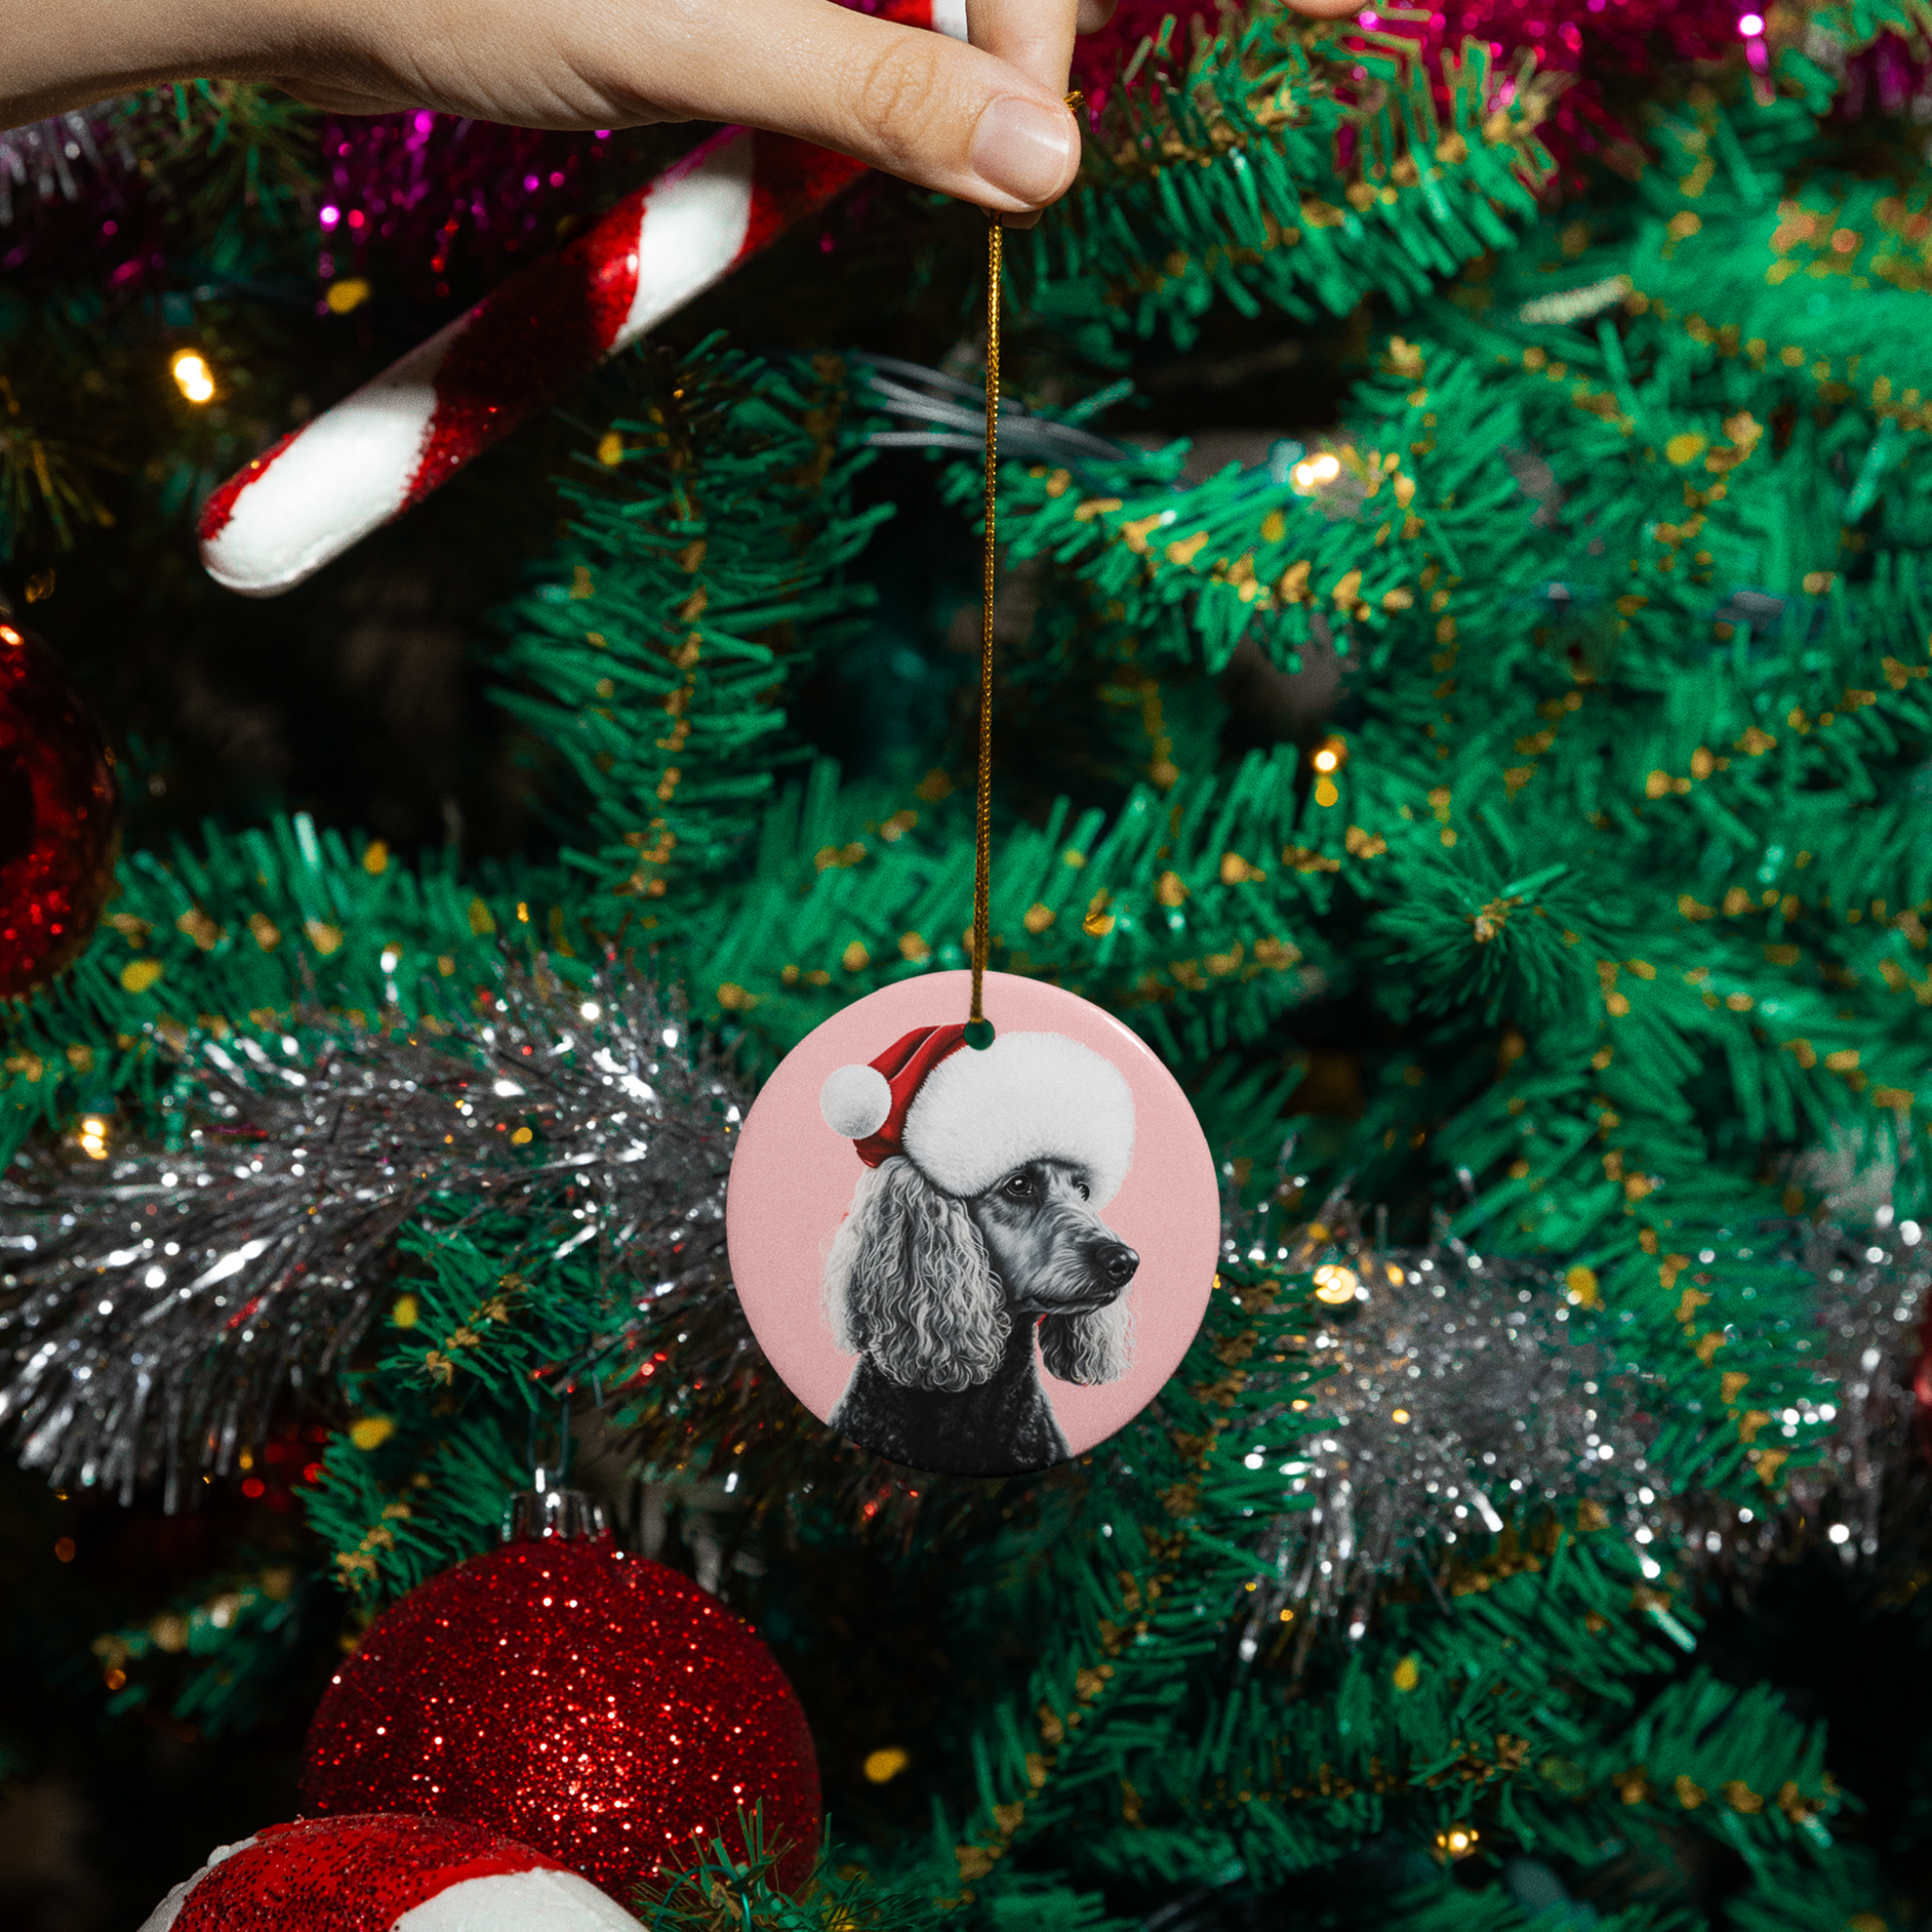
(155, 1308)
(1463, 1392)
(52, 158)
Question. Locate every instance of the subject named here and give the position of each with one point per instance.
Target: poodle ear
(909, 1283)
(1096, 1347)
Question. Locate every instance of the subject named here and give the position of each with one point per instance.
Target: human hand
(985, 122)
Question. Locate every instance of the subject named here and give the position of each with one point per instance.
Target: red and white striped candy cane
(325, 485)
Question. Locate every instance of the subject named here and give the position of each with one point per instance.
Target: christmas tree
(1460, 698)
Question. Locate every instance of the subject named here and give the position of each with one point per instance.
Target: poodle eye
(1017, 1186)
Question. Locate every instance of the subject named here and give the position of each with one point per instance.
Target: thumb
(914, 104)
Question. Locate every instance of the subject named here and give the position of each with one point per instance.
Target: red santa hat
(388, 1872)
(965, 1117)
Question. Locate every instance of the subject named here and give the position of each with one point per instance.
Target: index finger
(1034, 36)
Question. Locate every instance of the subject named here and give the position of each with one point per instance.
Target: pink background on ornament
(793, 1179)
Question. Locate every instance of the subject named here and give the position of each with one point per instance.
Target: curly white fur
(1096, 1347)
(907, 1283)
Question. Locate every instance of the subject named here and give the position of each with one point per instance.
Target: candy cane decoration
(325, 485)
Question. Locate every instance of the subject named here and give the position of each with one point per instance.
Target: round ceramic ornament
(973, 1260)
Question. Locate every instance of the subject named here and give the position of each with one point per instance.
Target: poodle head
(1056, 1258)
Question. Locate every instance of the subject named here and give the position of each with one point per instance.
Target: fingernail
(1023, 149)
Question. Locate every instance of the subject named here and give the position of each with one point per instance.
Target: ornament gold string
(979, 1032)
(983, 829)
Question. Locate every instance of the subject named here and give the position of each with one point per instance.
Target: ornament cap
(546, 1510)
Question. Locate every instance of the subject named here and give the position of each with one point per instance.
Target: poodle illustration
(976, 1228)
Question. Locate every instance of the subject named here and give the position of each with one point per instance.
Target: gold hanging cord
(981, 1033)
(983, 842)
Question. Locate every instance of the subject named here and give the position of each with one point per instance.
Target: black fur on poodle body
(942, 1298)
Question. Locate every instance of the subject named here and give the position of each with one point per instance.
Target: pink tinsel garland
(439, 193)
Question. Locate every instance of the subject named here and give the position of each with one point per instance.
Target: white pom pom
(854, 1101)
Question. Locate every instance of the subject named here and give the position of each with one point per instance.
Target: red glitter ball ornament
(57, 817)
(383, 1874)
(576, 1698)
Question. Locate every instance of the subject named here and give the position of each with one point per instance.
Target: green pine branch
(1291, 166)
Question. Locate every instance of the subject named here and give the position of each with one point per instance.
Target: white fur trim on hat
(518, 1901)
(854, 1101)
(164, 1914)
(1027, 1097)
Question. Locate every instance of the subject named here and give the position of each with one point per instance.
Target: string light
(1458, 1841)
(1330, 754)
(1757, 54)
(1334, 1284)
(193, 377)
(92, 1136)
(1321, 469)
(10, 636)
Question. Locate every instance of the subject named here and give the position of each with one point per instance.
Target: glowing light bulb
(1326, 760)
(193, 377)
(1750, 25)
(1458, 1841)
(10, 636)
(1334, 1284)
(1304, 475)
(92, 1135)
(1326, 468)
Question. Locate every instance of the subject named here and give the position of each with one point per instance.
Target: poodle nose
(1116, 1262)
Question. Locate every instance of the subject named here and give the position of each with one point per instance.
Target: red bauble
(382, 1873)
(57, 817)
(573, 1697)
